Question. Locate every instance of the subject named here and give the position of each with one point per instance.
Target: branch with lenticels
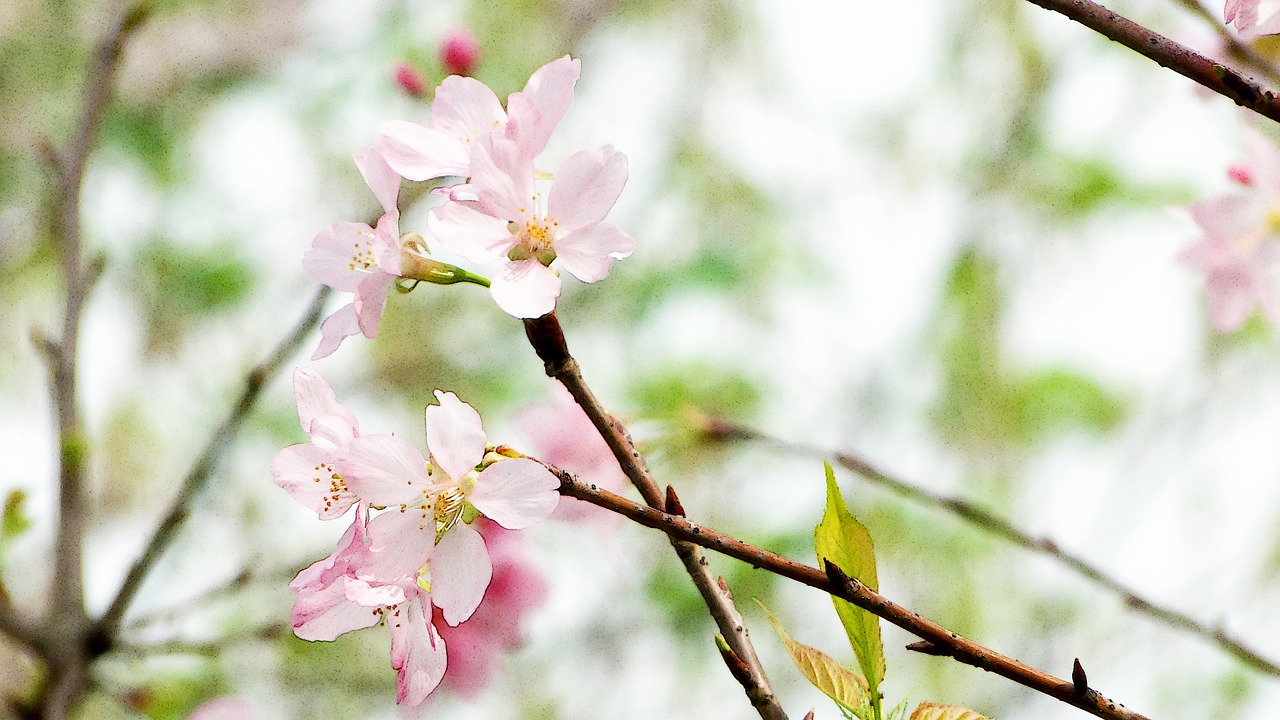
(935, 639)
(547, 338)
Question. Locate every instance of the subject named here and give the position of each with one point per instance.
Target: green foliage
(1067, 186)
(179, 287)
(934, 711)
(172, 692)
(842, 540)
(14, 522)
(981, 402)
(668, 391)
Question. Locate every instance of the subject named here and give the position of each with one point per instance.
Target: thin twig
(720, 429)
(940, 641)
(1218, 77)
(107, 628)
(547, 339)
(64, 630)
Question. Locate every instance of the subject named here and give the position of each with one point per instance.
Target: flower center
(447, 507)
(362, 257)
(324, 472)
(535, 235)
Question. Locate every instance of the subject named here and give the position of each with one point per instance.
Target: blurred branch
(108, 627)
(64, 640)
(1236, 48)
(938, 640)
(547, 338)
(724, 430)
(1226, 81)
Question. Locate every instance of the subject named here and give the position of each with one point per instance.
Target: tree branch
(1228, 82)
(723, 430)
(64, 630)
(547, 338)
(108, 627)
(938, 640)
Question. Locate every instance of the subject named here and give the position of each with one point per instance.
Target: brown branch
(547, 338)
(108, 627)
(1236, 48)
(940, 641)
(720, 429)
(63, 636)
(1226, 81)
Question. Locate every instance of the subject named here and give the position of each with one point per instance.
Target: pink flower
(561, 434)
(353, 257)
(459, 52)
(466, 110)
(516, 588)
(424, 526)
(508, 220)
(1241, 242)
(343, 592)
(1250, 19)
(227, 707)
(308, 471)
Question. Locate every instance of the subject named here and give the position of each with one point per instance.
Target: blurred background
(942, 235)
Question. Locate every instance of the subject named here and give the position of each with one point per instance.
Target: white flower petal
(455, 435)
(460, 573)
(516, 493)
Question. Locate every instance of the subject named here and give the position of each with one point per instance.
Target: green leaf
(844, 541)
(847, 688)
(934, 711)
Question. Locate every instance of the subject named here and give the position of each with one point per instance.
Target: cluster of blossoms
(412, 556)
(497, 208)
(1241, 242)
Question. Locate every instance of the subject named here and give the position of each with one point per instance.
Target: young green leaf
(934, 711)
(844, 541)
(837, 682)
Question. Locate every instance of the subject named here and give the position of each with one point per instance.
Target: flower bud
(1240, 174)
(459, 52)
(410, 80)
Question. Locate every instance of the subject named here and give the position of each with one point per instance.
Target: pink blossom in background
(409, 79)
(1253, 17)
(227, 707)
(561, 434)
(459, 52)
(1241, 242)
(476, 646)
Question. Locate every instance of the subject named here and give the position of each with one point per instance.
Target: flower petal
(515, 493)
(455, 435)
(587, 185)
(477, 237)
(371, 300)
(460, 573)
(419, 153)
(417, 653)
(342, 255)
(526, 289)
(378, 175)
(324, 613)
(466, 109)
(342, 324)
(588, 253)
(383, 470)
(535, 111)
(307, 473)
(401, 541)
(315, 399)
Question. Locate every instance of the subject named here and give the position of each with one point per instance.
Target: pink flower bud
(459, 52)
(410, 80)
(1240, 174)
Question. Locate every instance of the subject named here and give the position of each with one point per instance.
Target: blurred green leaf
(1055, 399)
(668, 391)
(179, 286)
(842, 540)
(14, 521)
(934, 711)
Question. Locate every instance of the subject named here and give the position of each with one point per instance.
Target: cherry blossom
(459, 52)
(510, 221)
(465, 110)
(1241, 241)
(355, 258)
(1253, 18)
(308, 471)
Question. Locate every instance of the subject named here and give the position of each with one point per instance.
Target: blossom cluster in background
(1253, 17)
(1241, 240)
(499, 208)
(414, 556)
